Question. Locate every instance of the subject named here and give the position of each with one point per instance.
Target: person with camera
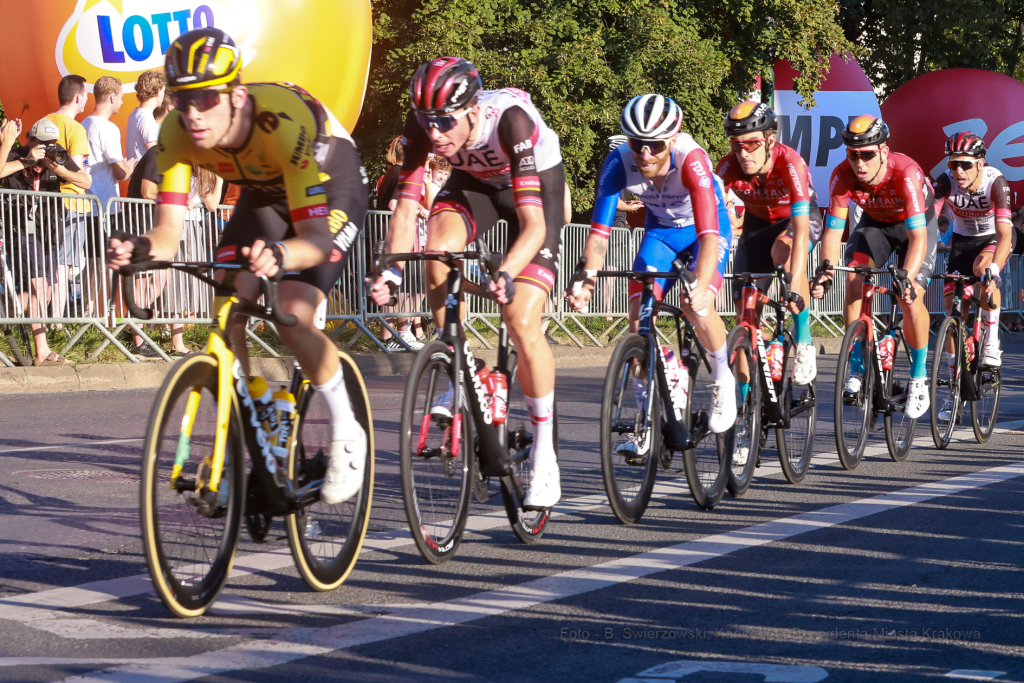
(40, 166)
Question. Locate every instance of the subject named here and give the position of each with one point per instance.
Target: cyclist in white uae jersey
(978, 197)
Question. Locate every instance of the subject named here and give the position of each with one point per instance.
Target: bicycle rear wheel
(899, 429)
(629, 462)
(800, 408)
(853, 413)
(985, 410)
(528, 525)
(748, 412)
(437, 472)
(188, 531)
(325, 539)
(707, 464)
(945, 384)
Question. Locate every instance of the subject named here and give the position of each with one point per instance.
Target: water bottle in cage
(775, 359)
(969, 344)
(675, 376)
(885, 350)
(499, 396)
(483, 374)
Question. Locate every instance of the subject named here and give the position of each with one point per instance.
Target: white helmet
(651, 117)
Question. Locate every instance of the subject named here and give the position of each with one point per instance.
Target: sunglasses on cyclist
(962, 165)
(203, 100)
(653, 147)
(747, 145)
(443, 123)
(862, 156)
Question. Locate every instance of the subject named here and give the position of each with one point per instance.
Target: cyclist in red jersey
(781, 221)
(898, 215)
(507, 165)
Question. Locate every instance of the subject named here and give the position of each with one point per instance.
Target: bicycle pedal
(534, 508)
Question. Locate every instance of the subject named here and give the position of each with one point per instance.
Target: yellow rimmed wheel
(325, 539)
(189, 530)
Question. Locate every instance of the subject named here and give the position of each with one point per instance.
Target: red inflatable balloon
(926, 110)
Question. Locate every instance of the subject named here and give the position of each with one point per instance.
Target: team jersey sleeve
(173, 166)
(798, 181)
(696, 176)
(838, 201)
(292, 144)
(517, 135)
(1001, 199)
(942, 187)
(610, 184)
(911, 189)
(416, 148)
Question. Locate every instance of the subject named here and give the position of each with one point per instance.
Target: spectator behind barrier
(143, 128)
(35, 168)
(72, 96)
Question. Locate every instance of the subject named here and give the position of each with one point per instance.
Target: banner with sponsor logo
(816, 133)
(321, 45)
(926, 110)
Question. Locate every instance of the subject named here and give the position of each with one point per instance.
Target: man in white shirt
(107, 164)
(143, 130)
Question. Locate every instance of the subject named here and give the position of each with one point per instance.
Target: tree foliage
(581, 60)
(903, 39)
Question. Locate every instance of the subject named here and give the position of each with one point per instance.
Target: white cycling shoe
(545, 487)
(345, 469)
(947, 409)
(806, 367)
(723, 404)
(853, 384)
(993, 356)
(917, 398)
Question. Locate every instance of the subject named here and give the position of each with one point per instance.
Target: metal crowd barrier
(53, 271)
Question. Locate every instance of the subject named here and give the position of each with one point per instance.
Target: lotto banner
(817, 133)
(926, 110)
(322, 46)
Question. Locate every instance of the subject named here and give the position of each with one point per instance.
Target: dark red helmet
(444, 85)
(966, 144)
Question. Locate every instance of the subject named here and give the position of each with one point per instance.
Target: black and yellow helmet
(203, 58)
(865, 130)
(750, 117)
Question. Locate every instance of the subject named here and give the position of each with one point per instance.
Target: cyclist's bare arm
(798, 254)
(163, 238)
(402, 228)
(532, 231)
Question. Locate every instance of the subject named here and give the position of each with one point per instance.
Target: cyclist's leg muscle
(316, 354)
(536, 362)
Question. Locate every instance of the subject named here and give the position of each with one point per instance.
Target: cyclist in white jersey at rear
(506, 165)
(686, 214)
(978, 198)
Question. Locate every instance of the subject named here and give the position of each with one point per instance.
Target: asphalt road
(895, 571)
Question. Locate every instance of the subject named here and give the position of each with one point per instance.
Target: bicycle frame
(868, 290)
(967, 369)
(750, 298)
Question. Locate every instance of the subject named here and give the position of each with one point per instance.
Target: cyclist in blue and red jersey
(671, 174)
(781, 221)
(899, 215)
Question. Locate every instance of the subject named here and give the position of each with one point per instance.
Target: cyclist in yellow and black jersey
(304, 197)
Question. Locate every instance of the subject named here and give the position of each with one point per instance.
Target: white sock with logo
(990, 323)
(720, 364)
(336, 395)
(542, 417)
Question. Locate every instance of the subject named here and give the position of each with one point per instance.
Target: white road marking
(70, 445)
(267, 653)
(779, 673)
(972, 675)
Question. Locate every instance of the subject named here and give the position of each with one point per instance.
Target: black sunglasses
(962, 165)
(655, 147)
(203, 99)
(862, 156)
(443, 123)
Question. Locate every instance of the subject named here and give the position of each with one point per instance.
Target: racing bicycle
(966, 378)
(194, 492)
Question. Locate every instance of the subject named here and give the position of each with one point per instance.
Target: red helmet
(965, 144)
(444, 85)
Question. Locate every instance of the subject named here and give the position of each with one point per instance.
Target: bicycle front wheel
(707, 463)
(748, 411)
(528, 525)
(853, 410)
(945, 385)
(899, 429)
(800, 411)
(189, 532)
(435, 448)
(985, 410)
(630, 437)
(325, 539)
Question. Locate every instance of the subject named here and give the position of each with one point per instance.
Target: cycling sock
(951, 362)
(990, 321)
(918, 362)
(744, 390)
(542, 413)
(720, 364)
(857, 359)
(336, 395)
(803, 327)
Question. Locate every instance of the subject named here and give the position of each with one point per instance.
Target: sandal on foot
(52, 359)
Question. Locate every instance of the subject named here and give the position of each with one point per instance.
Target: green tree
(581, 60)
(904, 39)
